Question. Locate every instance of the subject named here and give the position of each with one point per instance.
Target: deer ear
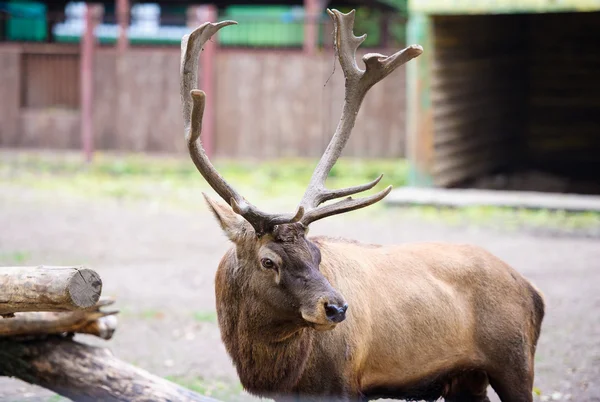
(234, 226)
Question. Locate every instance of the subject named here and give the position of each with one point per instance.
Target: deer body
(332, 319)
(421, 315)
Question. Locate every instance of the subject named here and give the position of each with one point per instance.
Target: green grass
(14, 257)
(213, 388)
(151, 314)
(147, 314)
(205, 316)
(274, 184)
(176, 180)
(506, 218)
(57, 398)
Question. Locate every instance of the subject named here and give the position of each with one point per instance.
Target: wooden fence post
(123, 21)
(311, 27)
(93, 14)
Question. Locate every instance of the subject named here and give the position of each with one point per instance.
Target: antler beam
(358, 82)
(194, 101)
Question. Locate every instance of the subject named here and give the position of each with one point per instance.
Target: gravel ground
(159, 264)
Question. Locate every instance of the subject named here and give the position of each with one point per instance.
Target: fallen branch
(90, 321)
(85, 373)
(24, 289)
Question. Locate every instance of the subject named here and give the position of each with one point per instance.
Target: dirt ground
(159, 263)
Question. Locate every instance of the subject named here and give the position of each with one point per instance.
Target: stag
(322, 318)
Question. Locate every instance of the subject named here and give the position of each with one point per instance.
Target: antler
(358, 82)
(193, 101)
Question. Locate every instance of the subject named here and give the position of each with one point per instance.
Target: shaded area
(515, 101)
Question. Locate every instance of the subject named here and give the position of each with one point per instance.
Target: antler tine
(193, 101)
(358, 82)
(345, 205)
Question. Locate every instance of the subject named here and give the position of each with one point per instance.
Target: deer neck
(269, 354)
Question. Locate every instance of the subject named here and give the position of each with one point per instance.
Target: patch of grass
(149, 314)
(176, 180)
(274, 184)
(15, 257)
(507, 218)
(214, 388)
(56, 398)
(205, 316)
(152, 314)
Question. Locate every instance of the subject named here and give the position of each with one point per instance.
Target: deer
(322, 318)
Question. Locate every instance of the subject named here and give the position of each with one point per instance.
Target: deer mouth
(319, 324)
(323, 327)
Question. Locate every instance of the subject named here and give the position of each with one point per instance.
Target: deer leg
(512, 375)
(468, 387)
(513, 386)
(467, 398)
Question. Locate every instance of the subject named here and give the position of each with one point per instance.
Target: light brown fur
(425, 321)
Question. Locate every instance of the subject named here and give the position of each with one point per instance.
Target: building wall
(267, 103)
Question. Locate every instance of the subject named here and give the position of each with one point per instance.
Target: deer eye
(267, 263)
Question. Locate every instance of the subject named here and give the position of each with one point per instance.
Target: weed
(15, 257)
(205, 316)
(217, 389)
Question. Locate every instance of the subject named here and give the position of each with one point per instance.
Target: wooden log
(48, 289)
(90, 321)
(85, 373)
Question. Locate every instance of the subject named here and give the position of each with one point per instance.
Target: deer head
(280, 266)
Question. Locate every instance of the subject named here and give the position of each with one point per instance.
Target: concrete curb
(511, 199)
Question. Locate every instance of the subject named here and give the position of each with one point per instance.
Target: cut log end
(43, 288)
(84, 288)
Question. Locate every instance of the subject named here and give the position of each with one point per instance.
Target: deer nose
(335, 313)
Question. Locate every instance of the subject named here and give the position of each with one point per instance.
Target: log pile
(42, 309)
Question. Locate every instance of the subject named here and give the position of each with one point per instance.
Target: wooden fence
(268, 103)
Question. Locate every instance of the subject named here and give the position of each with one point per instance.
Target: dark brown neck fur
(270, 356)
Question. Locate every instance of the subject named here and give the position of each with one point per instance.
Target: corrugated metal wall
(477, 95)
(563, 135)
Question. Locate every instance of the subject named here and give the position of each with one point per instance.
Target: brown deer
(332, 319)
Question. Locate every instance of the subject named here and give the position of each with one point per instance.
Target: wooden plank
(451, 127)
(295, 114)
(271, 122)
(225, 108)
(455, 170)
(50, 48)
(106, 98)
(10, 96)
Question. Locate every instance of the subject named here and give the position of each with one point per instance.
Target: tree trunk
(91, 321)
(47, 289)
(85, 373)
